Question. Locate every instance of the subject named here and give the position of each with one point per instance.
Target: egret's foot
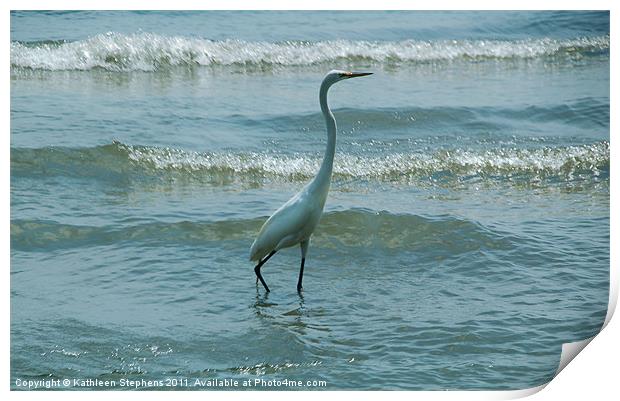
(257, 269)
(260, 277)
(301, 275)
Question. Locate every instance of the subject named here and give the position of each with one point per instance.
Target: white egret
(294, 222)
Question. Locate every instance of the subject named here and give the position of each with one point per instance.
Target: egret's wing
(289, 221)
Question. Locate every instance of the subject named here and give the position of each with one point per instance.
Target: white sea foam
(505, 162)
(150, 52)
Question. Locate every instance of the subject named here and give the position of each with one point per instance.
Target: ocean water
(465, 237)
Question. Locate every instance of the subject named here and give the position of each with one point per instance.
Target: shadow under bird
(294, 222)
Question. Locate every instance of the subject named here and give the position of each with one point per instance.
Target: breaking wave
(151, 52)
(134, 161)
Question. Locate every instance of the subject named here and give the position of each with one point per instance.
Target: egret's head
(338, 75)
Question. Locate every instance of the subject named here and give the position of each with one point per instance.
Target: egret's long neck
(324, 176)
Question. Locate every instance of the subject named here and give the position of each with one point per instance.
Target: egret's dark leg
(301, 274)
(257, 270)
(304, 250)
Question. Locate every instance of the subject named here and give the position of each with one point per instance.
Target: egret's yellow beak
(356, 74)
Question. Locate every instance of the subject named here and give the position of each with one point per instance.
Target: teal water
(465, 237)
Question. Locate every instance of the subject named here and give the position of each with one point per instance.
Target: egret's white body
(294, 222)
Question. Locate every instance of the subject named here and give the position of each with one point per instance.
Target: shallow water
(465, 237)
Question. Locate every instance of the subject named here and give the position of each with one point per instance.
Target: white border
(593, 374)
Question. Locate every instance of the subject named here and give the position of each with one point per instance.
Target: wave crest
(443, 166)
(353, 228)
(152, 52)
